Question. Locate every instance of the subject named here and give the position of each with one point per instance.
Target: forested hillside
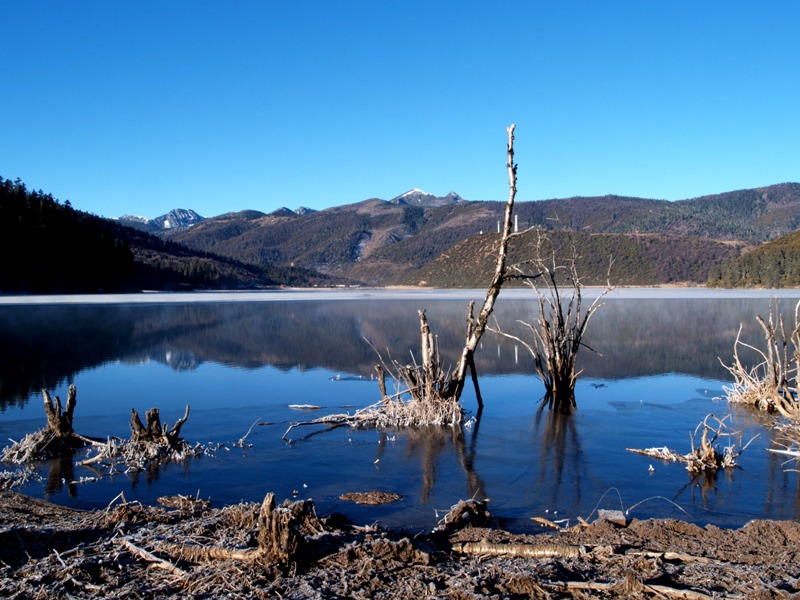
(50, 247)
(633, 260)
(773, 265)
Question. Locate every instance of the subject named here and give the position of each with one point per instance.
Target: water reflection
(61, 473)
(46, 346)
(560, 457)
(653, 381)
(428, 444)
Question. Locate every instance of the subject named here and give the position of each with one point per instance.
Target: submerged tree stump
(154, 431)
(60, 422)
(57, 438)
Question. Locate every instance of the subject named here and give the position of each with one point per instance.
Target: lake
(243, 358)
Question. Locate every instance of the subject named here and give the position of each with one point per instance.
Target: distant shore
(387, 293)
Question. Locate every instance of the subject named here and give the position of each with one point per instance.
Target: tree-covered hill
(50, 247)
(635, 259)
(377, 242)
(776, 264)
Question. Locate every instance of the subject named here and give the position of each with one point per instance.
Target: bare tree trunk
(475, 329)
(434, 393)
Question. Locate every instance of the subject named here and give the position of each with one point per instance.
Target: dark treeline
(49, 247)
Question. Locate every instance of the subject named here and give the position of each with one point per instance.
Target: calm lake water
(241, 358)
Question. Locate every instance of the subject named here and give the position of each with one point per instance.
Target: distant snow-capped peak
(420, 197)
(174, 219)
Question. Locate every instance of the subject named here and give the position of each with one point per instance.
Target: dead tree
(561, 322)
(427, 393)
(705, 456)
(428, 384)
(770, 385)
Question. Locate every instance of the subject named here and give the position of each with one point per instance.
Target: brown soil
(135, 551)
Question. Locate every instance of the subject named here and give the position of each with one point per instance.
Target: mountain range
(385, 242)
(745, 237)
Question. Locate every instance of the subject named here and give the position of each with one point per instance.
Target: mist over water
(655, 375)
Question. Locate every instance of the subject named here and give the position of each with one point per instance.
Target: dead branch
(705, 456)
(152, 558)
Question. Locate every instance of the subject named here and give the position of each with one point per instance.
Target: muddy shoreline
(130, 550)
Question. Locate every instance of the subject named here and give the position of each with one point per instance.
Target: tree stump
(60, 423)
(57, 438)
(280, 537)
(154, 431)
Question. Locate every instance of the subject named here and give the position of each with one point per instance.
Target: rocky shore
(183, 547)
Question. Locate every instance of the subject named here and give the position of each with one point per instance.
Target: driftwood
(705, 456)
(487, 548)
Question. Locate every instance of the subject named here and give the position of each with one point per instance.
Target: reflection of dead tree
(705, 456)
(56, 439)
(562, 321)
(770, 385)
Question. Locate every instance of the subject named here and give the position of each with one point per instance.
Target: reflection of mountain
(41, 346)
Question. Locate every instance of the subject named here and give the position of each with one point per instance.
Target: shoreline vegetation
(182, 546)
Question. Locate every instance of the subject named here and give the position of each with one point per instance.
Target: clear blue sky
(141, 107)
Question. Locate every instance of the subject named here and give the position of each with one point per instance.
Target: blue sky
(141, 107)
